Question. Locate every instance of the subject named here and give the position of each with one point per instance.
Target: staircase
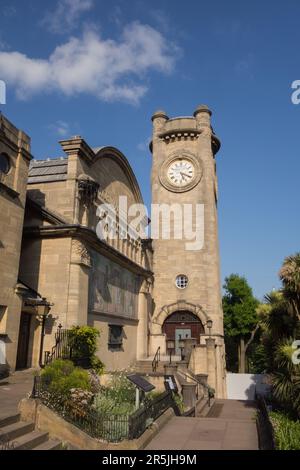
(19, 435)
(144, 366)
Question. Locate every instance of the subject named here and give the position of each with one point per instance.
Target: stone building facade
(186, 291)
(142, 294)
(14, 163)
(102, 283)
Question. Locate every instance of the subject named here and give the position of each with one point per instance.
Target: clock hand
(185, 174)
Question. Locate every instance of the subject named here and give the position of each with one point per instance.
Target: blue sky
(240, 58)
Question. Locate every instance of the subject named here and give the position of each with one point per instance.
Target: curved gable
(113, 172)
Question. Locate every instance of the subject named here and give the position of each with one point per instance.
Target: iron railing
(156, 360)
(264, 425)
(61, 349)
(110, 427)
(143, 417)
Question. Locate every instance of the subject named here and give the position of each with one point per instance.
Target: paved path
(232, 428)
(13, 389)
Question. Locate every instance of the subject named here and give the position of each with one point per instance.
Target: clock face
(181, 172)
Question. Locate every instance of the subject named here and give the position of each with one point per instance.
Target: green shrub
(179, 401)
(61, 376)
(287, 431)
(120, 389)
(105, 404)
(118, 397)
(97, 365)
(83, 341)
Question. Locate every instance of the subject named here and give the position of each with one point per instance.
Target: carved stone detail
(80, 254)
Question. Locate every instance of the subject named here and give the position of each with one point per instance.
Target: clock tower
(187, 305)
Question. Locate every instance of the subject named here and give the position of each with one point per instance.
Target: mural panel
(112, 289)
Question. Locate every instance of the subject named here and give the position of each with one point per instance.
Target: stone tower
(186, 293)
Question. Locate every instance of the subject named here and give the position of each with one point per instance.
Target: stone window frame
(181, 281)
(115, 336)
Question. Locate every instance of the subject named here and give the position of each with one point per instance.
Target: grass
(287, 431)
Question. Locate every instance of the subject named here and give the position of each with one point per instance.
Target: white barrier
(243, 386)
(2, 352)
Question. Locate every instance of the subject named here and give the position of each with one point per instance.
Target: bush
(79, 402)
(106, 405)
(120, 389)
(83, 341)
(61, 376)
(287, 431)
(179, 402)
(118, 397)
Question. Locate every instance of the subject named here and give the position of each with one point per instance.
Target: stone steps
(145, 365)
(20, 435)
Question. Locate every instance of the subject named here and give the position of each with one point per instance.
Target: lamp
(43, 310)
(170, 347)
(209, 324)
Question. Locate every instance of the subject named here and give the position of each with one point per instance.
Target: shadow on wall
(244, 386)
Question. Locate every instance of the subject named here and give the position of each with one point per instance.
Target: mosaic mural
(113, 289)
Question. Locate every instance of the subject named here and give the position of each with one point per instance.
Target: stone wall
(16, 145)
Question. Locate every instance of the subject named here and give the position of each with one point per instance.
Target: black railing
(264, 425)
(61, 349)
(143, 417)
(100, 425)
(156, 360)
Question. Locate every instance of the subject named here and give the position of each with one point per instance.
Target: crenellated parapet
(184, 128)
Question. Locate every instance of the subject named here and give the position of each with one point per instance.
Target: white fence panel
(243, 386)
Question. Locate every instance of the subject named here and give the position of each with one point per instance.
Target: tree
(279, 320)
(240, 316)
(290, 277)
(286, 378)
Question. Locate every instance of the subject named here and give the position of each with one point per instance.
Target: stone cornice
(9, 191)
(180, 133)
(89, 236)
(48, 215)
(7, 141)
(113, 317)
(78, 146)
(183, 134)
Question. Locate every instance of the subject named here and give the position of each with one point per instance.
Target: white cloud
(66, 15)
(107, 69)
(61, 128)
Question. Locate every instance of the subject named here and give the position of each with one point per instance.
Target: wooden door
(23, 341)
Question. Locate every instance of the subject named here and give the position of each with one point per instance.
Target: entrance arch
(181, 325)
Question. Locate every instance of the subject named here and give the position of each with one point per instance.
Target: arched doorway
(180, 325)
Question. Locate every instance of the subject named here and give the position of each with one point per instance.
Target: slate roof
(52, 169)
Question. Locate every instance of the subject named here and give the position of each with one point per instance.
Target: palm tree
(286, 379)
(290, 277)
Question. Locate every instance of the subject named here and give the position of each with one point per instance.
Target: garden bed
(107, 413)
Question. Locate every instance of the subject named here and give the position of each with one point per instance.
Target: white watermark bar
(2, 92)
(168, 221)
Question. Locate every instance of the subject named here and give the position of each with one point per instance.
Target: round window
(181, 281)
(4, 163)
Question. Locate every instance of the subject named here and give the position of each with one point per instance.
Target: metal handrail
(156, 359)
